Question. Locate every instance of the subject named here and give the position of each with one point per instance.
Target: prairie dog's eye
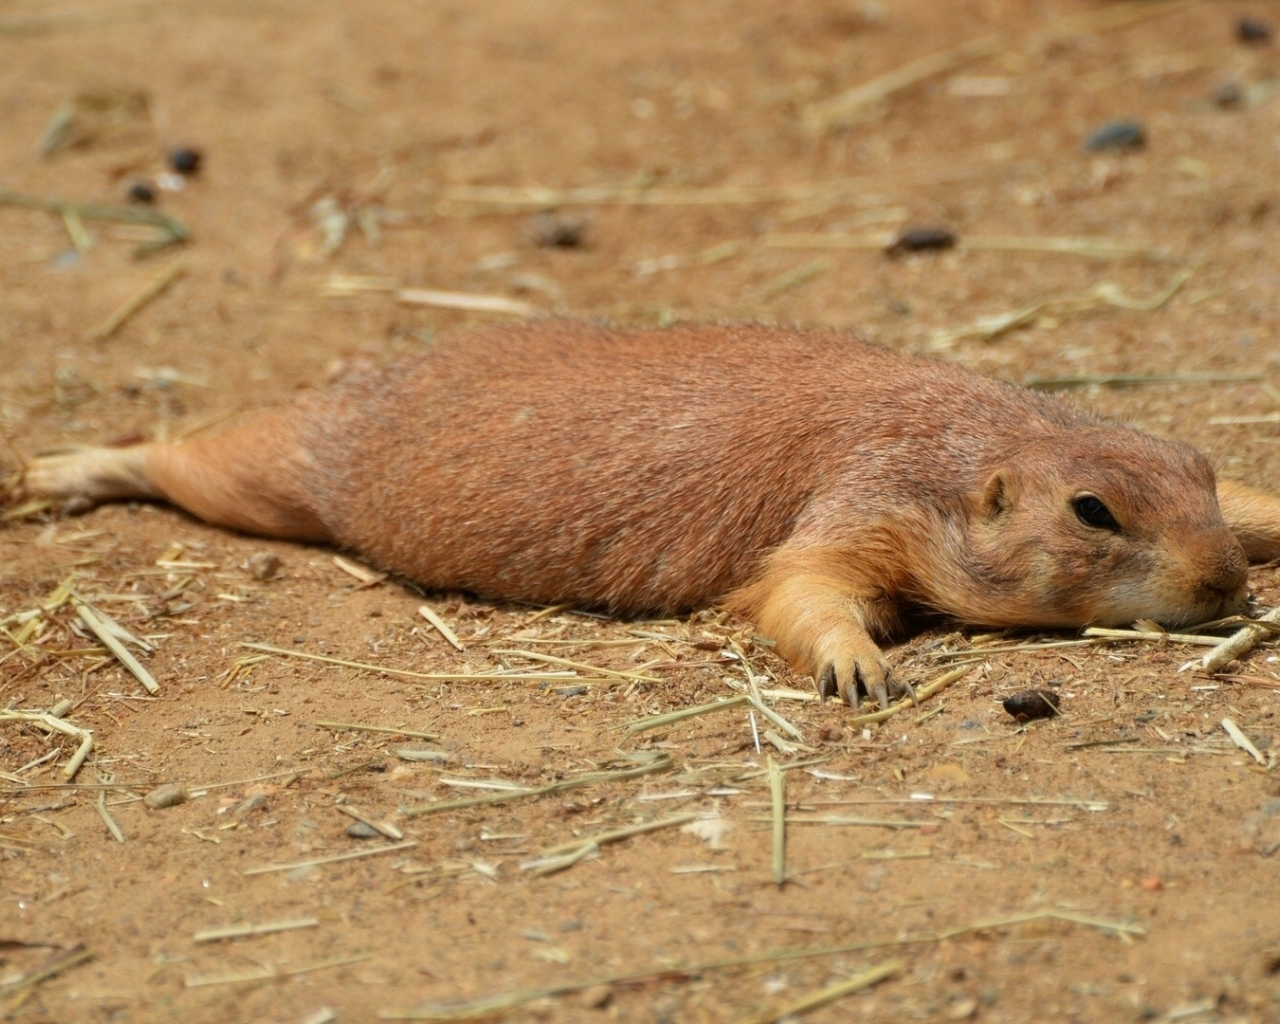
(1092, 512)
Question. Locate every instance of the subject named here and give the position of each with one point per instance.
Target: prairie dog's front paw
(847, 663)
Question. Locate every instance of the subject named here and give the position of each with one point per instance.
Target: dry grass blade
(832, 819)
(660, 721)
(551, 659)
(358, 727)
(441, 627)
(264, 972)
(332, 859)
(852, 104)
(1235, 645)
(660, 763)
(871, 976)
(1242, 741)
(171, 231)
(778, 801)
(1130, 380)
(151, 290)
(61, 961)
(468, 301)
(435, 677)
(240, 931)
(54, 723)
(105, 815)
(90, 618)
(1153, 636)
(384, 827)
(923, 693)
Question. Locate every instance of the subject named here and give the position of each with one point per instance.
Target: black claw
(827, 683)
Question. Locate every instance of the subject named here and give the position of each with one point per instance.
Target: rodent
(815, 483)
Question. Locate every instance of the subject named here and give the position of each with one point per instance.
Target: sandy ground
(1117, 863)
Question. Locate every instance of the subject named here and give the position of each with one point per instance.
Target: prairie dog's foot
(849, 665)
(84, 477)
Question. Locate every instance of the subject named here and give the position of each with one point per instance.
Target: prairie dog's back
(633, 469)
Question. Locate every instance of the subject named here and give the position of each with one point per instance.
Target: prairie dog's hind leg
(253, 478)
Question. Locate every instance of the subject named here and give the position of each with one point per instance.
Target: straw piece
(778, 797)
(614, 835)
(110, 822)
(464, 300)
(660, 763)
(366, 576)
(923, 693)
(1155, 636)
(441, 626)
(659, 721)
(435, 677)
(1242, 741)
(333, 859)
(852, 104)
(151, 290)
(240, 931)
(264, 973)
(871, 976)
(61, 961)
(385, 827)
(172, 232)
(358, 727)
(100, 630)
(1128, 380)
(551, 659)
(1234, 646)
(55, 723)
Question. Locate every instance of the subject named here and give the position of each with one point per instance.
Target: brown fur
(815, 483)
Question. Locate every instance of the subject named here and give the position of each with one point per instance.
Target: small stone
(1253, 30)
(1152, 884)
(257, 802)
(264, 565)
(169, 795)
(1031, 704)
(185, 159)
(1228, 96)
(1116, 135)
(555, 230)
(596, 997)
(922, 240)
(359, 830)
(140, 192)
(832, 732)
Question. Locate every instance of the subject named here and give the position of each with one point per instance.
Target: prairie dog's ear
(998, 495)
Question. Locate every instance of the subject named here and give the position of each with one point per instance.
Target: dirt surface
(342, 139)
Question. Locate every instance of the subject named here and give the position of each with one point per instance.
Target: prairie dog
(817, 484)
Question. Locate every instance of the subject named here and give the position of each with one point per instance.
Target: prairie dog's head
(1103, 526)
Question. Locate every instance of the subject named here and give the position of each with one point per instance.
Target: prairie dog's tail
(250, 478)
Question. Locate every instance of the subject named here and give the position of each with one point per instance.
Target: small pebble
(263, 565)
(1228, 96)
(922, 240)
(1152, 884)
(571, 691)
(257, 802)
(185, 159)
(1116, 135)
(832, 733)
(141, 192)
(1253, 30)
(169, 795)
(359, 830)
(596, 997)
(555, 230)
(1031, 704)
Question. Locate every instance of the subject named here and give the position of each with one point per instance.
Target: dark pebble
(141, 192)
(1253, 30)
(571, 691)
(1031, 704)
(555, 230)
(185, 160)
(922, 240)
(1228, 96)
(1116, 135)
(359, 830)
